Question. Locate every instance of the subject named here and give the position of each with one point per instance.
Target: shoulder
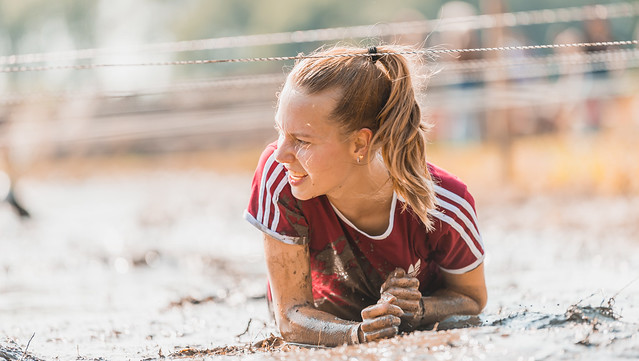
(448, 184)
(269, 174)
(450, 190)
(455, 206)
(272, 207)
(456, 233)
(267, 162)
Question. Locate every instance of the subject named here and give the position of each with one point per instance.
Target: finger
(398, 272)
(381, 334)
(380, 323)
(411, 307)
(381, 309)
(386, 298)
(404, 293)
(404, 282)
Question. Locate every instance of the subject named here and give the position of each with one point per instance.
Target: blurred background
(125, 166)
(539, 112)
(542, 113)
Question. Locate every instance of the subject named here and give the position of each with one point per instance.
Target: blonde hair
(377, 95)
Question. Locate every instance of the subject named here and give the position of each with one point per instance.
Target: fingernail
(387, 297)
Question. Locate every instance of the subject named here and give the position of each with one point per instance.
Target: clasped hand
(400, 303)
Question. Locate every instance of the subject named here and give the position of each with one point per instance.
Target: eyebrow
(294, 134)
(301, 135)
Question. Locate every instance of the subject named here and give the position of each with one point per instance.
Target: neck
(366, 199)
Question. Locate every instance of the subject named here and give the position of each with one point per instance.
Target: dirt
(156, 265)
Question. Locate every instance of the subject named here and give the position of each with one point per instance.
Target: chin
(301, 195)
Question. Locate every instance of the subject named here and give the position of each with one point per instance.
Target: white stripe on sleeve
(261, 227)
(268, 164)
(442, 203)
(268, 199)
(462, 202)
(276, 197)
(460, 271)
(460, 230)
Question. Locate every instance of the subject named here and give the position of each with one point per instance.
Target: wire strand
(446, 73)
(474, 22)
(429, 52)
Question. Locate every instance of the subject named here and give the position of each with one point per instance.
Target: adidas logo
(413, 270)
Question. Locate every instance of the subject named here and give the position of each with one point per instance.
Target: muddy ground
(160, 265)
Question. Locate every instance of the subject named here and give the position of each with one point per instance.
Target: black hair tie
(373, 53)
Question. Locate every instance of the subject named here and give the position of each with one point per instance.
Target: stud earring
(359, 159)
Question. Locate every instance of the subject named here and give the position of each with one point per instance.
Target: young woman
(361, 234)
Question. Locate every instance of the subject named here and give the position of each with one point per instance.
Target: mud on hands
(400, 304)
(405, 291)
(381, 320)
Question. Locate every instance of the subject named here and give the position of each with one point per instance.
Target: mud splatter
(192, 301)
(271, 344)
(10, 351)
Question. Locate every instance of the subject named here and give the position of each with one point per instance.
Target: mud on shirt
(349, 266)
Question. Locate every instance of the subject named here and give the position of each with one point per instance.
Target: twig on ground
(191, 300)
(612, 299)
(248, 325)
(24, 354)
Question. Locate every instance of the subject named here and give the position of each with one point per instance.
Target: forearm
(308, 325)
(445, 303)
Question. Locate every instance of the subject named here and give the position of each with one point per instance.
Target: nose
(284, 153)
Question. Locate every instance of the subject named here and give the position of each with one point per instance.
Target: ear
(361, 142)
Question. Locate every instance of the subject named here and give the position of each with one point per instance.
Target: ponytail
(377, 93)
(402, 139)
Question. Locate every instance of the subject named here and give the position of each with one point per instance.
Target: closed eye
(296, 140)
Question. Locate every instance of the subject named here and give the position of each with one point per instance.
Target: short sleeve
(272, 207)
(459, 247)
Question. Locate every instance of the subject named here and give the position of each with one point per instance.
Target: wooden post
(498, 120)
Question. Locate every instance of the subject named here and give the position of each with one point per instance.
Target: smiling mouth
(295, 179)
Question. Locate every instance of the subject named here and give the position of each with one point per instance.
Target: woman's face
(311, 146)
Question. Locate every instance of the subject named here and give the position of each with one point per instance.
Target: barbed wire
(541, 70)
(446, 73)
(424, 52)
(474, 22)
(602, 56)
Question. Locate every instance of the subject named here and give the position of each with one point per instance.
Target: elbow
(475, 301)
(291, 325)
(290, 332)
(481, 304)
(481, 300)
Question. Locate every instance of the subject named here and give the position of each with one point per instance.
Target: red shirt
(349, 266)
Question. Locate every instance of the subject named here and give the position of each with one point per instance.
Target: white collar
(384, 235)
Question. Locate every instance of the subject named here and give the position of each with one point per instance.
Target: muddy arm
(463, 294)
(297, 318)
(299, 321)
